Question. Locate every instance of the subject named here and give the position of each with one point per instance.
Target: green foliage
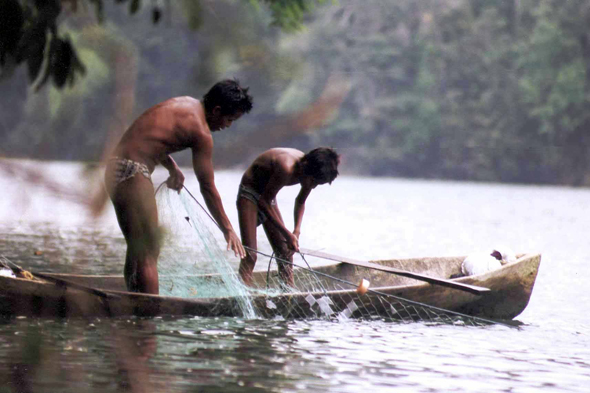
(554, 76)
(468, 89)
(99, 75)
(194, 12)
(289, 14)
(25, 26)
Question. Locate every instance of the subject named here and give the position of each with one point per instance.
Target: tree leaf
(61, 62)
(134, 6)
(35, 55)
(156, 15)
(49, 67)
(11, 20)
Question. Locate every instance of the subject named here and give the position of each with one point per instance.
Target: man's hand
(234, 243)
(176, 180)
(293, 243)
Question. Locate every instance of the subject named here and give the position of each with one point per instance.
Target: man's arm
(299, 209)
(176, 179)
(277, 181)
(203, 166)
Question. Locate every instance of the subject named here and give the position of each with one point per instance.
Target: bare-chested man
(173, 125)
(268, 174)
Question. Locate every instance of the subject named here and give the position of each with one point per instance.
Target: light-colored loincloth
(121, 169)
(254, 197)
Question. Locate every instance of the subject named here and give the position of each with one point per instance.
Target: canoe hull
(21, 297)
(510, 291)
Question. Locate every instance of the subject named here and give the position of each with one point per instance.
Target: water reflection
(132, 350)
(221, 354)
(26, 358)
(37, 357)
(231, 352)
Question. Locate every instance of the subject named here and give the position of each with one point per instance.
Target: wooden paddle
(369, 265)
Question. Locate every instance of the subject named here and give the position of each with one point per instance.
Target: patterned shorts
(122, 169)
(253, 196)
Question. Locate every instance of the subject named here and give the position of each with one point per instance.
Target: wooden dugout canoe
(510, 290)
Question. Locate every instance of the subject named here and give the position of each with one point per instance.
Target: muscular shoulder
(189, 117)
(284, 156)
(282, 160)
(186, 108)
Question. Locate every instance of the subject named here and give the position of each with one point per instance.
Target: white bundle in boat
(504, 254)
(483, 262)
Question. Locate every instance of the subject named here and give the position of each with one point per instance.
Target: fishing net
(316, 294)
(194, 264)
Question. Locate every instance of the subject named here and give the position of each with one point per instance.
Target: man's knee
(251, 258)
(283, 252)
(153, 238)
(146, 245)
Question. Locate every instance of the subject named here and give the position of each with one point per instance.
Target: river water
(44, 228)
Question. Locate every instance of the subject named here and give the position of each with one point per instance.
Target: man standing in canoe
(268, 174)
(173, 125)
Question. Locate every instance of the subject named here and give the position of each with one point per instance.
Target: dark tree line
(459, 89)
(471, 89)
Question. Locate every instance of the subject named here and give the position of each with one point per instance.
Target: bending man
(268, 174)
(173, 125)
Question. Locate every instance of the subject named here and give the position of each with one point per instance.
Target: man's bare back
(166, 128)
(260, 172)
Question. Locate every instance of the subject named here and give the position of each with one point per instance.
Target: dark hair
(321, 164)
(230, 96)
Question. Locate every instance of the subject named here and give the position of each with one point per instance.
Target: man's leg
(279, 246)
(247, 217)
(137, 214)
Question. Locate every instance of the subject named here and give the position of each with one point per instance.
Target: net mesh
(190, 250)
(193, 264)
(319, 295)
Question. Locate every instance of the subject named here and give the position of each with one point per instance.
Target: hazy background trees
(458, 89)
